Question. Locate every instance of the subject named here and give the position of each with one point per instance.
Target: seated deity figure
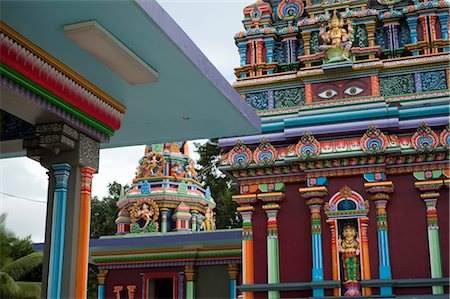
(349, 249)
(337, 41)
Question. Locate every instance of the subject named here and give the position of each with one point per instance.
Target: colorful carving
(308, 147)
(289, 97)
(337, 40)
(433, 81)
(264, 154)
(425, 139)
(240, 155)
(397, 85)
(349, 249)
(151, 165)
(289, 9)
(144, 215)
(374, 141)
(258, 100)
(444, 137)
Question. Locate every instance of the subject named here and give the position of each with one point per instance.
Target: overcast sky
(211, 24)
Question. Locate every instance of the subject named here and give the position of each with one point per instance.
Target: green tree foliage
(104, 212)
(222, 187)
(18, 263)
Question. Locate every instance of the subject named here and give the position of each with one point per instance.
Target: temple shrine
(345, 191)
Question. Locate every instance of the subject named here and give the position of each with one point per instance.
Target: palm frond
(22, 266)
(28, 289)
(8, 287)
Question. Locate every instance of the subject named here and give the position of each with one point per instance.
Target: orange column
(83, 234)
(334, 254)
(364, 223)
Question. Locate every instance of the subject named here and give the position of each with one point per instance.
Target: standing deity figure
(349, 249)
(209, 222)
(337, 40)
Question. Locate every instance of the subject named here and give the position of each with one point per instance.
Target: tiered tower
(165, 194)
(353, 97)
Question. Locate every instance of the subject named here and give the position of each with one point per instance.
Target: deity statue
(209, 222)
(144, 217)
(337, 40)
(349, 249)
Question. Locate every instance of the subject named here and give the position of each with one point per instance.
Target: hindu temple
(345, 191)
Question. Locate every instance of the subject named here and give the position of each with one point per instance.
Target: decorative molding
(41, 68)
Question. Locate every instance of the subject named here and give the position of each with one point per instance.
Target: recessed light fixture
(101, 44)
(186, 118)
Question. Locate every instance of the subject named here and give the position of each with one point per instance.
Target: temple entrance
(160, 288)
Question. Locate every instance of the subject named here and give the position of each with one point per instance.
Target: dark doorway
(160, 288)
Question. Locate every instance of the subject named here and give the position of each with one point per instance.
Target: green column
(164, 213)
(273, 267)
(430, 197)
(189, 272)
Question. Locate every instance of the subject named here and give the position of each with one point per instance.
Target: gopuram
(345, 192)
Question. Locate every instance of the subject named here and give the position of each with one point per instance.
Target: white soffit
(101, 44)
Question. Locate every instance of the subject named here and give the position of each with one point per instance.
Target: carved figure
(349, 248)
(144, 216)
(209, 221)
(177, 171)
(337, 40)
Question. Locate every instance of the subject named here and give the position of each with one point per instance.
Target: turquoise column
(412, 24)
(430, 196)
(380, 191)
(101, 277)
(233, 272)
(313, 196)
(443, 19)
(273, 268)
(62, 173)
(243, 53)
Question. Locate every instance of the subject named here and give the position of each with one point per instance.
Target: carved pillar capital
(101, 276)
(189, 272)
(58, 143)
(233, 271)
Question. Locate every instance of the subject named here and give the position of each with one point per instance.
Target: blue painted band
(101, 291)
(232, 289)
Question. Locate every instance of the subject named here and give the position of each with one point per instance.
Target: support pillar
(334, 253)
(430, 196)
(246, 210)
(233, 273)
(314, 199)
(380, 196)
(84, 232)
(270, 46)
(117, 290)
(61, 172)
(63, 150)
(164, 213)
(273, 267)
(365, 275)
(189, 272)
(101, 277)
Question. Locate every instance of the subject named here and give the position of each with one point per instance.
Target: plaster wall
(212, 282)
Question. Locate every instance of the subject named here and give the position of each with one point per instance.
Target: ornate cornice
(29, 66)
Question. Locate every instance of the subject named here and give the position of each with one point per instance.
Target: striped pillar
(233, 273)
(246, 210)
(101, 277)
(334, 253)
(61, 173)
(189, 272)
(164, 214)
(271, 207)
(380, 196)
(365, 275)
(273, 267)
(313, 196)
(84, 232)
(430, 196)
(194, 214)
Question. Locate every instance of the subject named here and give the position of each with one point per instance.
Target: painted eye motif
(353, 90)
(327, 94)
